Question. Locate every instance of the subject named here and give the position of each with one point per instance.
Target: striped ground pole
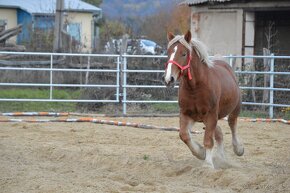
(15, 114)
(90, 120)
(108, 122)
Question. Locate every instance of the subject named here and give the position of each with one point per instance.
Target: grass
(284, 114)
(165, 108)
(252, 114)
(146, 157)
(38, 94)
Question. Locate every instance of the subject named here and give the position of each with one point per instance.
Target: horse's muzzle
(170, 83)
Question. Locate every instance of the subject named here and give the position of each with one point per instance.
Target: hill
(133, 8)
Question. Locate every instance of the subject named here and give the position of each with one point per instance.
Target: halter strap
(182, 68)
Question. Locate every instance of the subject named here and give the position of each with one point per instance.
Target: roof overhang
(199, 2)
(254, 5)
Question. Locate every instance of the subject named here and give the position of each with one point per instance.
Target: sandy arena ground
(88, 157)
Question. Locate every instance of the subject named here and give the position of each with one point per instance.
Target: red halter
(182, 68)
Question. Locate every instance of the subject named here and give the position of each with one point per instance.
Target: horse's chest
(196, 105)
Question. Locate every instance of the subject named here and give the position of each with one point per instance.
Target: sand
(88, 157)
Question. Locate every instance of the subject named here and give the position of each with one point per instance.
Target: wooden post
(87, 72)
(57, 44)
(266, 61)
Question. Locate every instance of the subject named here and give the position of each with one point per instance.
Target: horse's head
(179, 56)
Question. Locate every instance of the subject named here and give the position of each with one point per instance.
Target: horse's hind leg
(219, 140)
(210, 130)
(232, 121)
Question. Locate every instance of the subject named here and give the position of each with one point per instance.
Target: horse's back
(223, 65)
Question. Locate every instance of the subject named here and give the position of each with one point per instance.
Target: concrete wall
(220, 30)
(85, 21)
(10, 16)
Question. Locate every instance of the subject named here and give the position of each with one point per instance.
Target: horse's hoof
(239, 150)
(201, 154)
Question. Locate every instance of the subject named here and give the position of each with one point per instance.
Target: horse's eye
(184, 54)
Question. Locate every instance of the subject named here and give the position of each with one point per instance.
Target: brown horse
(208, 91)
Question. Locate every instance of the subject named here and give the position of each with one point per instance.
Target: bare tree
(177, 20)
(270, 35)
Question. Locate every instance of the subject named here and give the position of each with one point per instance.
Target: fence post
(50, 81)
(231, 60)
(118, 80)
(124, 85)
(271, 99)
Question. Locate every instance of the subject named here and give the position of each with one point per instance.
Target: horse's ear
(170, 36)
(187, 36)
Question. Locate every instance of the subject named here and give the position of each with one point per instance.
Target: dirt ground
(89, 157)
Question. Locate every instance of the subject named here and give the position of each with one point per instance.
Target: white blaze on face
(169, 66)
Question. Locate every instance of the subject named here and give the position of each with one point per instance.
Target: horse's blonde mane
(201, 50)
(195, 44)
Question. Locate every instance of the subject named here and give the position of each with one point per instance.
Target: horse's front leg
(210, 126)
(186, 124)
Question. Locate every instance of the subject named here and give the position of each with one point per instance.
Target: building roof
(48, 6)
(196, 2)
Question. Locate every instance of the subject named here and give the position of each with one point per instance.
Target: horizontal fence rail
(121, 71)
(52, 69)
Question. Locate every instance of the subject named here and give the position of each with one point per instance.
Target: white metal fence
(121, 69)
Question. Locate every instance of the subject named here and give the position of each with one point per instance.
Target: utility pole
(57, 44)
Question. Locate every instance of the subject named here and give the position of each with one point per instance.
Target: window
(44, 22)
(74, 29)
